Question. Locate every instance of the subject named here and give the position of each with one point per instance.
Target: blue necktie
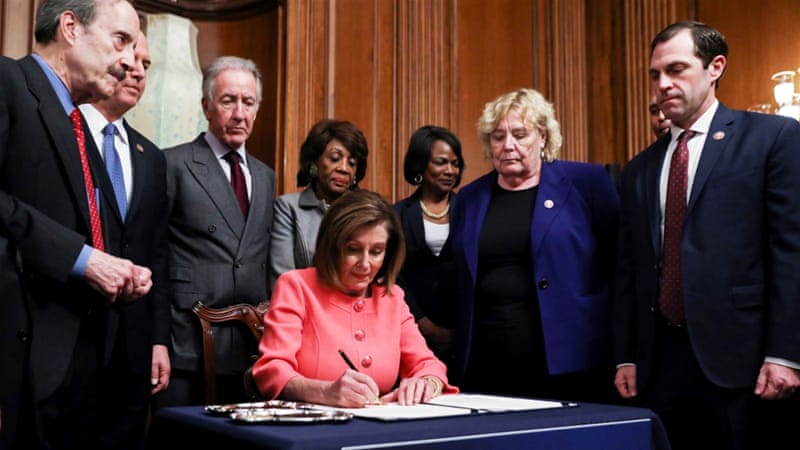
(114, 168)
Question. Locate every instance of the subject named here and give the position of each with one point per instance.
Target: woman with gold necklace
(434, 164)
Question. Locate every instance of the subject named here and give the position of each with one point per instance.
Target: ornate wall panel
(643, 20)
(494, 54)
(209, 9)
(362, 86)
(307, 77)
(16, 27)
(425, 55)
(762, 40)
(569, 76)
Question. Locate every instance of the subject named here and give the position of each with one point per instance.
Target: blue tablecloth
(586, 426)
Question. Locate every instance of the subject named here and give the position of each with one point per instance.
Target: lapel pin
(139, 148)
(548, 204)
(718, 135)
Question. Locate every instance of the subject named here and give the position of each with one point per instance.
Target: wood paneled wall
(391, 66)
(259, 38)
(762, 40)
(16, 27)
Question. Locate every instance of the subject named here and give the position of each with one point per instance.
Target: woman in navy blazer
(433, 163)
(533, 242)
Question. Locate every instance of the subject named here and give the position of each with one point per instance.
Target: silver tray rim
(267, 415)
(227, 409)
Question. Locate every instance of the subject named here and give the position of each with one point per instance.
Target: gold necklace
(432, 215)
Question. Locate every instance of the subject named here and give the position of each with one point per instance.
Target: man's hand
(160, 369)
(116, 277)
(625, 381)
(776, 382)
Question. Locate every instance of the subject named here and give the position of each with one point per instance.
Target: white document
(396, 411)
(449, 405)
(493, 403)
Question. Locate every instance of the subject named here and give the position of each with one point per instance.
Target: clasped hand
(117, 278)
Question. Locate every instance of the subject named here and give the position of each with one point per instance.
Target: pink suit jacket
(307, 323)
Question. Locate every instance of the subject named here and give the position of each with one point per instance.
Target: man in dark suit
(55, 279)
(707, 329)
(218, 234)
(135, 214)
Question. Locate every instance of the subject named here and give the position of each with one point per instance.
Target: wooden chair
(250, 316)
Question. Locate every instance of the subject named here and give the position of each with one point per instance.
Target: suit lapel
(209, 175)
(473, 213)
(59, 128)
(550, 199)
(651, 185)
(139, 166)
(416, 227)
(719, 134)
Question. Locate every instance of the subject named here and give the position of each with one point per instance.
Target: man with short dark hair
(708, 293)
(658, 122)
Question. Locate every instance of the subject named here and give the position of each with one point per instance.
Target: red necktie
(94, 213)
(671, 298)
(237, 181)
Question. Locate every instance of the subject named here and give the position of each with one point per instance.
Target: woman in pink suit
(348, 301)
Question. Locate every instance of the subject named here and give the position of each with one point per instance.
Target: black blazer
(425, 276)
(44, 221)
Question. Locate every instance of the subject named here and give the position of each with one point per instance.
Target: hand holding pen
(359, 384)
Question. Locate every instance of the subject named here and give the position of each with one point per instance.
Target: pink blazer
(307, 323)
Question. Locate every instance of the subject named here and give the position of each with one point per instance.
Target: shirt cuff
(783, 362)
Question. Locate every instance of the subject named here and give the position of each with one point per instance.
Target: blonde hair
(536, 112)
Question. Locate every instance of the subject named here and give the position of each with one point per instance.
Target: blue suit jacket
(740, 250)
(573, 239)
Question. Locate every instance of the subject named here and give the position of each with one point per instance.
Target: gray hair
(224, 63)
(49, 13)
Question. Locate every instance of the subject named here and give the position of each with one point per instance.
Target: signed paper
(493, 403)
(450, 405)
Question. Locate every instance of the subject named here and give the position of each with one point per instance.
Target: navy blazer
(740, 250)
(141, 238)
(573, 239)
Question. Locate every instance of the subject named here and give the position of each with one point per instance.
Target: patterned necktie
(237, 181)
(671, 298)
(114, 168)
(94, 213)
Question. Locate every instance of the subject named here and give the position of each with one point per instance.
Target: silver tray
(226, 410)
(280, 415)
(277, 411)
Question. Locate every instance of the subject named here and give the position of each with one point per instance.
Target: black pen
(347, 360)
(350, 364)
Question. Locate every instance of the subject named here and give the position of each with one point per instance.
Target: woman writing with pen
(348, 308)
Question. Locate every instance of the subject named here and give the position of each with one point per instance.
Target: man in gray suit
(220, 202)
